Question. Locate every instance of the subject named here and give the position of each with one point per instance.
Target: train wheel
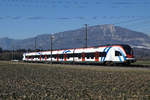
(109, 63)
(127, 63)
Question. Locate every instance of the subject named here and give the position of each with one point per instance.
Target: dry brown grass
(72, 82)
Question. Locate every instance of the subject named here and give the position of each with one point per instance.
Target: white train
(107, 54)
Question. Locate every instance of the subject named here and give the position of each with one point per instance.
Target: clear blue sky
(20, 19)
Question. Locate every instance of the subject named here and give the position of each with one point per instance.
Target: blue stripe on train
(119, 58)
(103, 58)
(123, 55)
(107, 49)
(107, 53)
(103, 51)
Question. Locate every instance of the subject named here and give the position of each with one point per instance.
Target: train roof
(111, 45)
(123, 45)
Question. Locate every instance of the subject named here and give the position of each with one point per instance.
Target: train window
(42, 56)
(36, 56)
(117, 53)
(69, 55)
(89, 54)
(53, 56)
(48, 56)
(77, 55)
(30, 57)
(72, 55)
(102, 54)
(127, 48)
(27, 56)
(61, 56)
(92, 57)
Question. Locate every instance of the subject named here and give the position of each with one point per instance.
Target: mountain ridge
(97, 35)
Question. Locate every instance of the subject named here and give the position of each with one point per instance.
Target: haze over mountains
(97, 35)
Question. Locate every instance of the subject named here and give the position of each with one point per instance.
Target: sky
(21, 19)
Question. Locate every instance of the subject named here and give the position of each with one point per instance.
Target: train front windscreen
(128, 50)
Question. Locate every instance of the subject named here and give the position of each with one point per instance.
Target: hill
(97, 35)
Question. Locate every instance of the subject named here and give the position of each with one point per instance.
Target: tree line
(14, 54)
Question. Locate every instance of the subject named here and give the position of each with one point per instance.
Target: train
(105, 54)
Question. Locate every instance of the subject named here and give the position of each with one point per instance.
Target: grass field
(147, 62)
(19, 81)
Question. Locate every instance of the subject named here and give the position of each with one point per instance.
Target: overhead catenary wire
(135, 23)
(130, 21)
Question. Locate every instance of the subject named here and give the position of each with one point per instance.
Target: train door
(83, 56)
(65, 57)
(57, 57)
(45, 58)
(31, 58)
(96, 56)
(27, 58)
(40, 58)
